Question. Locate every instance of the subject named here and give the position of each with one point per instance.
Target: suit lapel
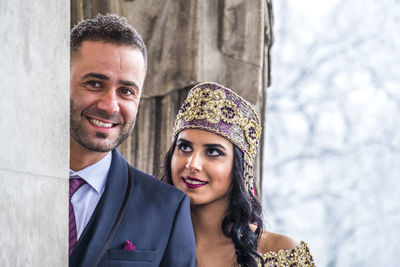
(101, 223)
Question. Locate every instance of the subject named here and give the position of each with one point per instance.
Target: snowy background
(332, 136)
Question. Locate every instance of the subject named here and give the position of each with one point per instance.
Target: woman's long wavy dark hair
(243, 210)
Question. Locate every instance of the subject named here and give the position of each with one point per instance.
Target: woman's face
(201, 166)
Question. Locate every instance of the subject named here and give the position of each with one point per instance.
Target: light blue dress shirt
(85, 199)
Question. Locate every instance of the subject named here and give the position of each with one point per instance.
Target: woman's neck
(213, 248)
(207, 222)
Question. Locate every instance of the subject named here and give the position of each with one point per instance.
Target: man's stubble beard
(79, 134)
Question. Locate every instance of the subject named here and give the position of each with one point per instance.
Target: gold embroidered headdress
(214, 108)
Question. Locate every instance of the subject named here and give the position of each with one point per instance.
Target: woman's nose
(194, 163)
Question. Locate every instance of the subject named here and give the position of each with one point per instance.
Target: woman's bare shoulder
(273, 242)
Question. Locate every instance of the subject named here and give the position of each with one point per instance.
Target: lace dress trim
(298, 256)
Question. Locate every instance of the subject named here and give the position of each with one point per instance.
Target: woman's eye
(184, 147)
(214, 152)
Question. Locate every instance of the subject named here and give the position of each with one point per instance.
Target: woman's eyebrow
(215, 145)
(183, 140)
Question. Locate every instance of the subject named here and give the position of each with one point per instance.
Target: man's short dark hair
(109, 28)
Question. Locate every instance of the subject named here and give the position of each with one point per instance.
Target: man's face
(106, 84)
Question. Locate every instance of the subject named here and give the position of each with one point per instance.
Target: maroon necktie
(75, 182)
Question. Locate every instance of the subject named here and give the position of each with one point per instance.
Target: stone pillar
(190, 41)
(34, 119)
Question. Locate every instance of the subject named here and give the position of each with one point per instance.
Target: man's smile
(101, 124)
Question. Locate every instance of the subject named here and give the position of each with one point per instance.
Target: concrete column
(34, 132)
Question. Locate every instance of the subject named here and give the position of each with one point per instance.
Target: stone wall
(190, 41)
(34, 135)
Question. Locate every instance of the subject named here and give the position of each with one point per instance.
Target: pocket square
(128, 246)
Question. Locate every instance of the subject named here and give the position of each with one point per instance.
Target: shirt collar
(96, 174)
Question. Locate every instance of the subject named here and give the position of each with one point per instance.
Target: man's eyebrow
(106, 78)
(129, 83)
(96, 75)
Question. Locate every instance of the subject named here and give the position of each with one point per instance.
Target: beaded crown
(217, 109)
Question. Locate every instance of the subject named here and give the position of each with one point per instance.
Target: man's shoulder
(153, 184)
(147, 183)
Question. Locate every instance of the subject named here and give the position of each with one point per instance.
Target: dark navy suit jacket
(135, 206)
